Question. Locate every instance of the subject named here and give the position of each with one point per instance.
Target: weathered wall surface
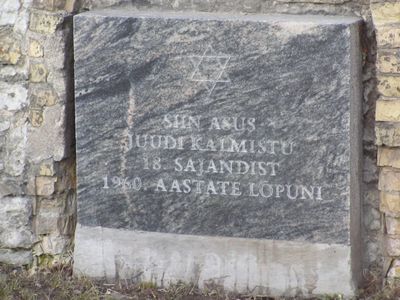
(16, 208)
(36, 118)
(387, 22)
(36, 133)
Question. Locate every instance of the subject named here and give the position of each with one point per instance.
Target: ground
(58, 283)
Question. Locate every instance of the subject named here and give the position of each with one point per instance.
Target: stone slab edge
(243, 265)
(356, 153)
(270, 18)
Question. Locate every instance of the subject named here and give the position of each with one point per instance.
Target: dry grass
(374, 289)
(17, 283)
(59, 284)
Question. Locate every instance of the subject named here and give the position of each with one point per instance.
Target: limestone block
(385, 12)
(36, 117)
(392, 225)
(70, 5)
(45, 186)
(390, 202)
(388, 36)
(387, 134)
(388, 110)
(38, 73)
(35, 49)
(10, 46)
(53, 5)
(389, 61)
(45, 23)
(15, 223)
(41, 97)
(389, 180)
(389, 86)
(47, 169)
(49, 4)
(389, 157)
(392, 244)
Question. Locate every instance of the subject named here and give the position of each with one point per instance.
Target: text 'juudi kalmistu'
(201, 157)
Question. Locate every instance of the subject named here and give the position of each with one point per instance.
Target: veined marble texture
(218, 125)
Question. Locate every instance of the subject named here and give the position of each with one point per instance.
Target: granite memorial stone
(219, 147)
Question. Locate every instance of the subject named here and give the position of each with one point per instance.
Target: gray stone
(16, 257)
(53, 128)
(14, 96)
(16, 150)
(10, 186)
(219, 125)
(15, 223)
(9, 12)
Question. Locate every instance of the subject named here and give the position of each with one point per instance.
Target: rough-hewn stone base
(243, 265)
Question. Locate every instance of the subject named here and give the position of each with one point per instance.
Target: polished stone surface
(218, 125)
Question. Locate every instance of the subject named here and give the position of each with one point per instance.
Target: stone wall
(36, 119)
(386, 18)
(36, 133)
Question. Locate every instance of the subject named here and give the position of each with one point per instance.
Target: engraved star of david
(209, 68)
